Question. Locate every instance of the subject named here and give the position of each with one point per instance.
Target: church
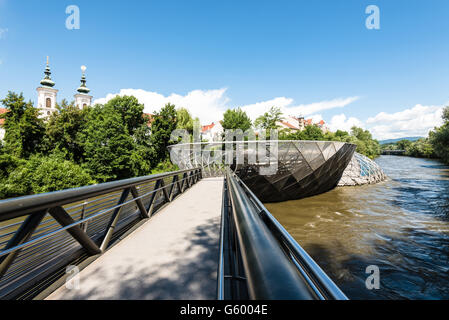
(47, 94)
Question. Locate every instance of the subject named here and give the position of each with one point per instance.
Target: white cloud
(259, 108)
(287, 107)
(342, 122)
(416, 121)
(209, 105)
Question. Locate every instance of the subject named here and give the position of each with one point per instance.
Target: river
(400, 225)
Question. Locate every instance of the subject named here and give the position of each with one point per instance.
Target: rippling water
(400, 225)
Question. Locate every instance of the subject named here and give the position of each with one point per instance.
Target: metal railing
(258, 257)
(40, 235)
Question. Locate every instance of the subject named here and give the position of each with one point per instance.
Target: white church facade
(47, 95)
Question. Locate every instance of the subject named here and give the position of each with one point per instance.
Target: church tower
(82, 98)
(46, 95)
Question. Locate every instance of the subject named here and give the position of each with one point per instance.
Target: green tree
(108, 146)
(9, 163)
(366, 145)
(43, 174)
(236, 119)
(269, 119)
(311, 132)
(420, 148)
(164, 123)
(440, 138)
(24, 130)
(130, 111)
(184, 120)
(63, 129)
(403, 144)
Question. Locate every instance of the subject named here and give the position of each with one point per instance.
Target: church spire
(47, 82)
(83, 88)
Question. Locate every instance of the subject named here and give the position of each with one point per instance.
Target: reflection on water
(400, 225)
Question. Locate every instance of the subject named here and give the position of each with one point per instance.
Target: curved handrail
(256, 216)
(268, 271)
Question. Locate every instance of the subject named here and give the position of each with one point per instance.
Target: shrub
(43, 174)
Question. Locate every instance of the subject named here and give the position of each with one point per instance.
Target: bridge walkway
(174, 255)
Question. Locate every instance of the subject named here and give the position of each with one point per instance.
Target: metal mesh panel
(361, 170)
(303, 168)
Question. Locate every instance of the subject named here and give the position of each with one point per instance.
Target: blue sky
(314, 57)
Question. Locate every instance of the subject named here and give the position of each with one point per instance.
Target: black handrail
(16, 207)
(41, 234)
(275, 266)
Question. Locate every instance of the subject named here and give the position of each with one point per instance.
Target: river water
(400, 225)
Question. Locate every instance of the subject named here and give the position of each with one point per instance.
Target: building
(2, 122)
(150, 117)
(47, 95)
(82, 98)
(299, 123)
(212, 132)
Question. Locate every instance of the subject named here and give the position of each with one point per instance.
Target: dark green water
(401, 225)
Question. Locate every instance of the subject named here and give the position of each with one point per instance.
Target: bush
(43, 174)
(165, 166)
(9, 163)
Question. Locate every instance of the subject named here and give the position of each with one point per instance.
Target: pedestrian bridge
(168, 236)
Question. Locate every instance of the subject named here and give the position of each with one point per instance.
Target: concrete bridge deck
(174, 255)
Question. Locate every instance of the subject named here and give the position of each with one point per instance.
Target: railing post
(114, 218)
(172, 188)
(64, 219)
(143, 211)
(22, 235)
(164, 190)
(180, 185)
(153, 197)
(83, 225)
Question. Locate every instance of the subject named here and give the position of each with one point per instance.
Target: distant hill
(399, 139)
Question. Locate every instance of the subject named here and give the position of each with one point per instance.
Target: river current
(400, 225)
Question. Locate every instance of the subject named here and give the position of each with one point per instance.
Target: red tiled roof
(2, 111)
(207, 127)
(322, 122)
(289, 125)
(308, 122)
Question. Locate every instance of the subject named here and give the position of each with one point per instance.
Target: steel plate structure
(303, 168)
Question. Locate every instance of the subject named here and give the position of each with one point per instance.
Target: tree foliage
(42, 174)
(184, 120)
(269, 120)
(75, 147)
(163, 125)
(62, 133)
(24, 131)
(236, 119)
(362, 138)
